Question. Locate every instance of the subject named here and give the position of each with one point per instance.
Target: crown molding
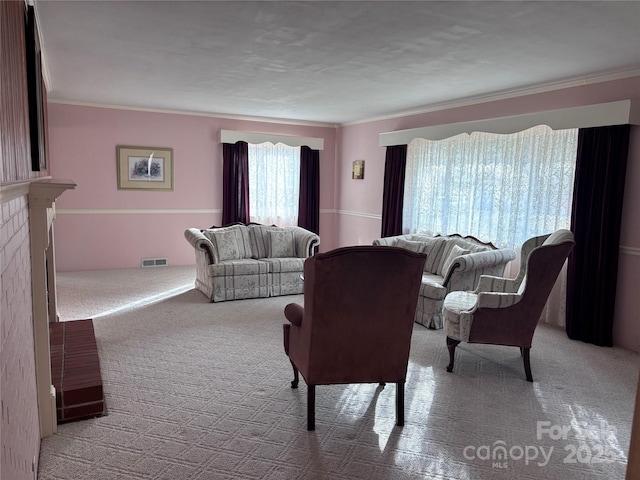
(504, 95)
(466, 102)
(247, 118)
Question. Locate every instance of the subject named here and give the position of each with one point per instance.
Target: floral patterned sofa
(250, 261)
(453, 263)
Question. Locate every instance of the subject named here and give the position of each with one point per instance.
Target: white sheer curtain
(499, 188)
(502, 188)
(274, 183)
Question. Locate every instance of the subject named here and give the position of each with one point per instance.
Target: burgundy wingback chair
(503, 311)
(357, 320)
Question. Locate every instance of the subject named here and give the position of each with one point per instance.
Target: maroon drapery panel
(309, 195)
(393, 190)
(235, 183)
(595, 221)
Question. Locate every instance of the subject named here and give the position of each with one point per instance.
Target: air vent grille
(154, 262)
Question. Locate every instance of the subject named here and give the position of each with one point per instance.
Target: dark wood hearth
(75, 371)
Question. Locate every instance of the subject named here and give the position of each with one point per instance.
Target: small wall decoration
(358, 170)
(144, 168)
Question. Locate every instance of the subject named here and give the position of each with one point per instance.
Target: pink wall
(95, 226)
(626, 320)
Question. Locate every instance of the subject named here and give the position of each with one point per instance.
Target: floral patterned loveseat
(250, 261)
(453, 263)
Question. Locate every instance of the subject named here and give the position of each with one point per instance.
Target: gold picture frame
(357, 172)
(144, 168)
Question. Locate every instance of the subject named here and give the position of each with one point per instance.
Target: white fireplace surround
(42, 195)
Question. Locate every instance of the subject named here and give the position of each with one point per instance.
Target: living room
(100, 227)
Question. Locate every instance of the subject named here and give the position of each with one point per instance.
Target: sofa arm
(491, 258)
(388, 241)
(201, 244)
(479, 261)
(466, 270)
(305, 242)
(412, 237)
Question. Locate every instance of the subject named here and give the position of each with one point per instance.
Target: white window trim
(233, 136)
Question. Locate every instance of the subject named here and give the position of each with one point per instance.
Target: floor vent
(154, 262)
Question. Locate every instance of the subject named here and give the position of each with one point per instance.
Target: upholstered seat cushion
(457, 319)
(246, 266)
(431, 287)
(277, 265)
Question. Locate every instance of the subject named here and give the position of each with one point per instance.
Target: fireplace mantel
(42, 197)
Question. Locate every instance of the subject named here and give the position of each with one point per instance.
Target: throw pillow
(410, 245)
(281, 244)
(433, 247)
(241, 235)
(227, 245)
(456, 251)
(259, 238)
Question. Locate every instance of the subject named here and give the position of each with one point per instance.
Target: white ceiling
(334, 62)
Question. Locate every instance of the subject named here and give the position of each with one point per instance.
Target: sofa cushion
(238, 267)
(227, 245)
(241, 234)
(281, 244)
(433, 248)
(431, 287)
(259, 238)
(411, 245)
(455, 251)
(279, 265)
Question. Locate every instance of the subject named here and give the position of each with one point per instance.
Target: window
(274, 182)
(502, 188)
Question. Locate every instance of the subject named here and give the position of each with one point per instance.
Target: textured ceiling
(334, 62)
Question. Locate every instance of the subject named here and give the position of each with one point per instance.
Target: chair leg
(296, 378)
(451, 345)
(527, 363)
(400, 404)
(311, 407)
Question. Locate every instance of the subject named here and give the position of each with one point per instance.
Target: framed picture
(358, 170)
(144, 168)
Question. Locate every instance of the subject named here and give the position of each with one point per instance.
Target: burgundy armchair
(357, 320)
(503, 311)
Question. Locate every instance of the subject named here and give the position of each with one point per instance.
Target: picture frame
(358, 170)
(144, 168)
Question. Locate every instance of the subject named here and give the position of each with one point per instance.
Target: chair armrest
(201, 243)
(305, 242)
(490, 283)
(497, 300)
(294, 313)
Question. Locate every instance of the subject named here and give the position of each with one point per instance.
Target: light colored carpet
(197, 390)
(94, 293)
